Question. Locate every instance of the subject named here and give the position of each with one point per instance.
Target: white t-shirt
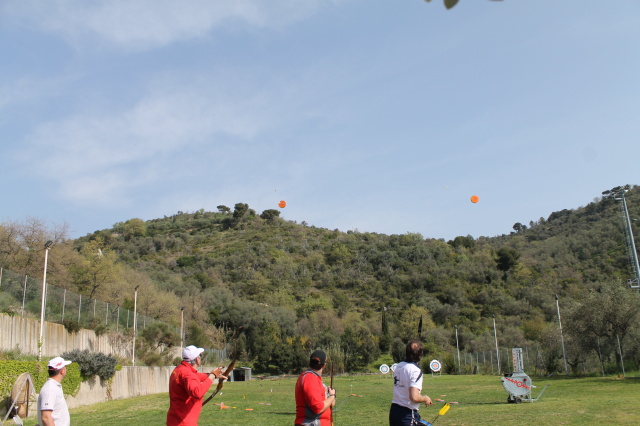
(52, 398)
(407, 375)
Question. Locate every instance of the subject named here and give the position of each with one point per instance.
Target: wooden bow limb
(229, 369)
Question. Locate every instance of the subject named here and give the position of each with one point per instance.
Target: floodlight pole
(495, 335)
(47, 245)
(618, 195)
(634, 253)
(135, 323)
(458, 348)
(564, 354)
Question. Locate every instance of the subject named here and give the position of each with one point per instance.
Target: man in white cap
(187, 387)
(52, 408)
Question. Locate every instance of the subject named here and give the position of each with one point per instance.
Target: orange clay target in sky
(474, 199)
(282, 204)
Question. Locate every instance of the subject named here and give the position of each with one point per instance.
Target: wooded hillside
(294, 287)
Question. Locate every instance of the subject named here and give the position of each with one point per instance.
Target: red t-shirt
(186, 389)
(310, 395)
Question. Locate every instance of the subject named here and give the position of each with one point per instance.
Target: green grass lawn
(365, 400)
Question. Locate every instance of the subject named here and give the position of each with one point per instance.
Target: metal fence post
(64, 302)
(24, 293)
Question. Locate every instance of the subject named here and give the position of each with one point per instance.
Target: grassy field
(364, 400)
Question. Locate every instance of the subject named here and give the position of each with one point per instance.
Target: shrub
(100, 330)
(15, 355)
(153, 359)
(72, 326)
(186, 261)
(93, 364)
(10, 370)
(98, 327)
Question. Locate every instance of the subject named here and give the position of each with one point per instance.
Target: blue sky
(369, 115)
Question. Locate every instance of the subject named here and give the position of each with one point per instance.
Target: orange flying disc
(282, 204)
(475, 199)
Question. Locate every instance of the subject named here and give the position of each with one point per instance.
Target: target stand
(436, 367)
(22, 394)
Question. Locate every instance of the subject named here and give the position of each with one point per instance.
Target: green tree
(194, 335)
(410, 320)
(265, 343)
(459, 241)
(385, 335)
(518, 227)
(240, 211)
(133, 228)
(290, 356)
(22, 249)
(398, 350)
(507, 259)
(359, 347)
(604, 315)
(98, 270)
(154, 347)
(270, 214)
(339, 254)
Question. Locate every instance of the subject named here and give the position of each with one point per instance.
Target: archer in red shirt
(187, 387)
(314, 398)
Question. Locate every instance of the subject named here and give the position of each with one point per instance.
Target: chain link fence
(22, 295)
(488, 362)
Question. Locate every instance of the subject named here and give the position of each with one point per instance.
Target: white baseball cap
(191, 352)
(58, 363)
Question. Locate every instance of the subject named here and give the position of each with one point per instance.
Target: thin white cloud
(17, 92)
(24, 90)
(100, 158)
(139, 24)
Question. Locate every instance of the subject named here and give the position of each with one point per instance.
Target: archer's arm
(416, 397)
(47, 418)
(196, 385)
(330, 401)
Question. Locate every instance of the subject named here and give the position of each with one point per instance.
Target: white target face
(435, 365)
(384, 368)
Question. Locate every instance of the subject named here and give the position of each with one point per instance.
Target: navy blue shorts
(403, 416)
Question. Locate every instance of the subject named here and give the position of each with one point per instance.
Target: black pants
(403, 416)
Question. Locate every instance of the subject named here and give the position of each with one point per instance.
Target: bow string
(229, 369)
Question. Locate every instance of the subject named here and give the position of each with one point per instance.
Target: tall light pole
(617, 194)
(564, 354)
(47, 246)
(458, 348)
(181, 328)
(135, 323)
(495, 335)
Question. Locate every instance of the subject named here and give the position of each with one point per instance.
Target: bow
(229, 369)
(331, 386)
